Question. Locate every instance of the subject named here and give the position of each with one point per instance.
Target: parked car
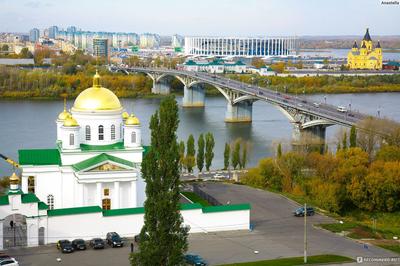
(79, 244)
(114, 240)
(65, 246)
(96, 243)
(219, 176)
(9, 262)
(193, 259)
(3, 256)
(300, 211)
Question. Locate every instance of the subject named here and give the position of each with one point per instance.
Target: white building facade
(96, 160)
(240, 47)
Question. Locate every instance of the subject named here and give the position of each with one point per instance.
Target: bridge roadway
(300, 104)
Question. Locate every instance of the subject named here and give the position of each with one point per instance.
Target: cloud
(37, 4)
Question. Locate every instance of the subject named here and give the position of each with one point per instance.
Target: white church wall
(96, 225)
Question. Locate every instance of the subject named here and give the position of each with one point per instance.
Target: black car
(96, 243)
(193, 259)
(65, 246)
(114, 240)
(300, 211)
(79, 244)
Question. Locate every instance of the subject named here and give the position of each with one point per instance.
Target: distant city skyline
(206, 17)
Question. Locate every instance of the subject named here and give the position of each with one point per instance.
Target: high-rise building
(71, 29)
(177, 41)
(53, 31)
(34, 35)
(148, 40)
(101, 47)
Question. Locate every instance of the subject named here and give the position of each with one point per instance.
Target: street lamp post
(305, 233)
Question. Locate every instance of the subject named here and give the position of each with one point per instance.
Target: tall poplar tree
(279, 151)
(209, 156)
(163, 237)
(344, 141)
(200, 153)
(190, 154)
(353, 137)
(181, 154)
(227, 153)
(236, 154)
(243, 160)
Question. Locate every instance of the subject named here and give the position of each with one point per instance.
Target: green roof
(224, 208)
(190, 63)
(190, 206)
(115, 146)
(125, 211)
(39, 157)
(99, 159)
(29, 198)
(18, 192)
(4, 200)
(42, 206)
(71, 211)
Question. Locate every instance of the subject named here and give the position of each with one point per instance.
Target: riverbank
(324, 84)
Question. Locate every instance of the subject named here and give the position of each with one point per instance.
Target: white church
(91, 183)
(97, 159)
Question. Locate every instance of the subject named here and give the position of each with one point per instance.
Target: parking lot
(276, 234)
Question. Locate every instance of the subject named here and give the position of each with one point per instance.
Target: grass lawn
(394, 248)
(195, 198)
(318, 259)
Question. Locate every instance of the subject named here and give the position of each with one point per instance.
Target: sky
(206, 17)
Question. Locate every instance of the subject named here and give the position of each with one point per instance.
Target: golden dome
(125, 115)
(132, 120)
(63, 115)
(70, 122)
(96, 98)
(14, 179)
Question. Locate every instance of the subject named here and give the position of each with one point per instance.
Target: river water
(31, 124)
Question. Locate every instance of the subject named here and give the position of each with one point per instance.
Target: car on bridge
(316, 105)
(341, 109)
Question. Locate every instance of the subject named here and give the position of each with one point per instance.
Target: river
(31, 124)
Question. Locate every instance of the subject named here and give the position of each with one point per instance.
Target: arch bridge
(307, 118)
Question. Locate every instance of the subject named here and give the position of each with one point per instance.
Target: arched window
(112, 131)
(101, 132)
(50, 201)
(71, 139)
(87, 132)
(106, 204)
(133, 137)
(31, 184)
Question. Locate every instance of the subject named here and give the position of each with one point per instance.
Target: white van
(341, 109)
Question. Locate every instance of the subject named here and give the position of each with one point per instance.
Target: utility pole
(305, 233)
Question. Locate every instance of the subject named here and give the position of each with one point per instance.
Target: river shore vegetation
(73, 73)
(358, 183)
(324, 84)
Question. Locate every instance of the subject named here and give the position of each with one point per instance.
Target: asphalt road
(276, 234)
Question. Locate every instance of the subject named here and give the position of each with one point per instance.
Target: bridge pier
(308, 139)
(239, 112)
(193, 96)
(160, 87)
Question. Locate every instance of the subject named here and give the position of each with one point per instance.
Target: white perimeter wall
(88, 226)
